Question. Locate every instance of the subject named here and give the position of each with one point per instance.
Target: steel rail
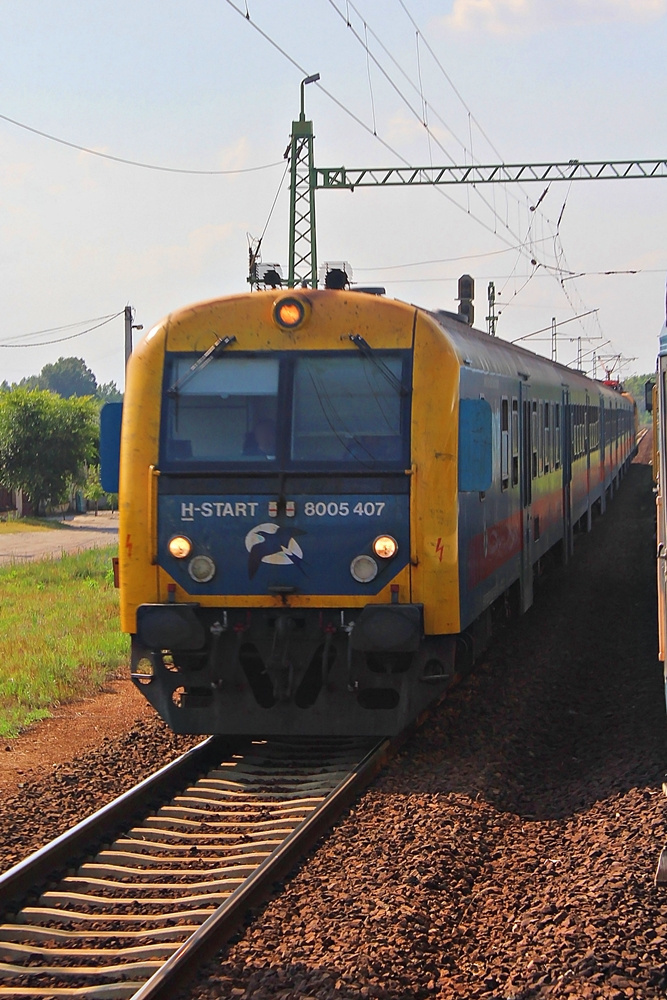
(157, 932)
(44, 863)
(215, 931)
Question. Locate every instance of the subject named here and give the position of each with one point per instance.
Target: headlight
(385, 546)
(291, 312)
(201, 569)
(364, 569)
(179, 546)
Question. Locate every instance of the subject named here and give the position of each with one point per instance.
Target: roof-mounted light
(291, 312)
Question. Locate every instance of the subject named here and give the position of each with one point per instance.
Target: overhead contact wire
(133, 163)
(420, 118)
(355, 118)
(471, 116)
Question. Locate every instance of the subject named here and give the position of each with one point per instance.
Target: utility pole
(129, 327)
(491, 319)
(554, 343)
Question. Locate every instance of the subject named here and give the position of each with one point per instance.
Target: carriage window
(347, 409)
(224, 412)
(504, 444)
(547, 439)
(515, 442)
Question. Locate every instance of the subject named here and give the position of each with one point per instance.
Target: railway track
(137, 916)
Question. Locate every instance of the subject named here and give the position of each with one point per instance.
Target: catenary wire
(558, 249)
(359, 121)
(416, 114)
(72, 336)
(400, 157)
(444, 260)
(66, 326)
(134, 163)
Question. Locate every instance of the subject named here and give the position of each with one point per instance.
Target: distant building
(14, 500)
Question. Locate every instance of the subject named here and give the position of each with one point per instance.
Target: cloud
(524, 17)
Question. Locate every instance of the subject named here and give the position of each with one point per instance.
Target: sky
(207, 91)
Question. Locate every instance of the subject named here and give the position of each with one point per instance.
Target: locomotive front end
(266, 554)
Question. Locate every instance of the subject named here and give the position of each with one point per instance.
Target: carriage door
(587, 446)
(526, 583)
(566, 451)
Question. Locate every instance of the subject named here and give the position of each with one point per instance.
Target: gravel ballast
(507, 852)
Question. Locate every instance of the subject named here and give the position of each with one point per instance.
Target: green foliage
(109, 392)
(59, 638)
(44, 442)
(634, 384)
(92, 489)
(68, 377)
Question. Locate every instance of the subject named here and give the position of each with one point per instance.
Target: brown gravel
(71, 787)
(73, 729)
(509, 851)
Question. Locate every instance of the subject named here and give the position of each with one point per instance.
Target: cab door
(566, 451)
(587, 446)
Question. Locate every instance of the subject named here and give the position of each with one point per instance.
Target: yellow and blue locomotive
(324, 492)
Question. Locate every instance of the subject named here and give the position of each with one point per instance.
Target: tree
(92, 489)
(68, 377)
(109, 392)
(634, 384)
(44, 442)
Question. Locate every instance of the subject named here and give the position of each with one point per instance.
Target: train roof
(479, 350)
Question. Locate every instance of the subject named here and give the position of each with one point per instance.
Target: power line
(134, 163)
(66, 326)
(446, 260)
(60, 340)
(545, 328)
(246, 17)
(420, 117)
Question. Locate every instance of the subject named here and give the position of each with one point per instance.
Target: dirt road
(83, 531)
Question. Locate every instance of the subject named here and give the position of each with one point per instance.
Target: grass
(60, 637)
(12, 525)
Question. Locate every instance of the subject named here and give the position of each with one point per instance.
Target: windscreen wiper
(384, 370)
(213, 352)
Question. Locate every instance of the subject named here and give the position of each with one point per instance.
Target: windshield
(226, 412)
(296, 410)
(345, 409)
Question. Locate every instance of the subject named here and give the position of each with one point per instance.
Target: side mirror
(111, 417)
(648, 395)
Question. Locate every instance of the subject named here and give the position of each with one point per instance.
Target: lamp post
(302, 242)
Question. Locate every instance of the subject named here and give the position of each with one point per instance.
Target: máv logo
(272, 543)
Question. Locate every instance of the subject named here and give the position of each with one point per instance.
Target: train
(326, 497)
(656, 403)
